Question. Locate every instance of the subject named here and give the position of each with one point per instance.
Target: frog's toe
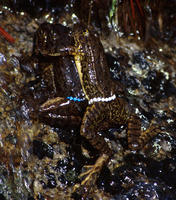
(87, 186)
(84, 191)
(90, 176)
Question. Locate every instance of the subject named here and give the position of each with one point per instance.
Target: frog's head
(52, 39)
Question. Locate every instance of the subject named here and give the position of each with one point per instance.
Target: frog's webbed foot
(90, 176)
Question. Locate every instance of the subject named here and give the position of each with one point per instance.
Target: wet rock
(51, 181)
(156, 83)
(59, 155)
(40, 149)
(2, 197)
(143, 178)
(68, 172)
(138, 58)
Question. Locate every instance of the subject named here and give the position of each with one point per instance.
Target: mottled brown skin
(96, 81)
(90, 77)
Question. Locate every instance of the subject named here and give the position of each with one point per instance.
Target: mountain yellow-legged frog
(88, 89)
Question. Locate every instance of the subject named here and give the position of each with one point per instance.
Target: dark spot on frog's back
(52, 38)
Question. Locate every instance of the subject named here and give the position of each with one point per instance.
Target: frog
(86, 95)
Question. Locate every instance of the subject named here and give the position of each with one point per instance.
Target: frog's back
(94, 70)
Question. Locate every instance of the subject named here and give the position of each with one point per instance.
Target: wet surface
(39, 161)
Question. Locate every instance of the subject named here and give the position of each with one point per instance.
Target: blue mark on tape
(75, 99)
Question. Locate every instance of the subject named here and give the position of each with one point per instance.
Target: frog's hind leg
(93, 121)
(137, 139)
(134, 132)
(150, 133)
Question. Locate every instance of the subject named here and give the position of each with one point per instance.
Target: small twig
(6, 35)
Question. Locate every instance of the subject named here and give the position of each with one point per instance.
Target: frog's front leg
(63, 111)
